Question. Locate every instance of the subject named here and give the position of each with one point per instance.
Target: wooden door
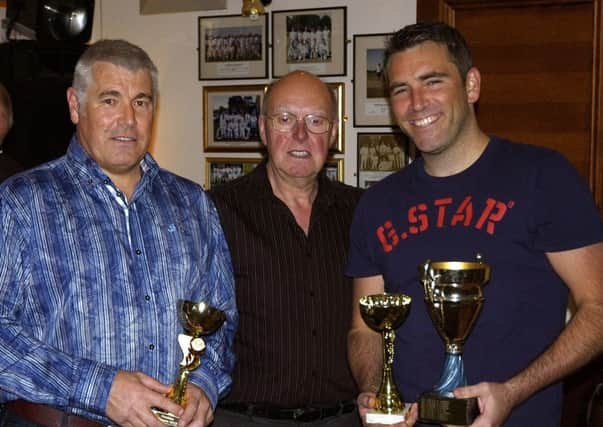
(541, 72)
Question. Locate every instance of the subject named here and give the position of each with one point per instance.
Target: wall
(171, 40)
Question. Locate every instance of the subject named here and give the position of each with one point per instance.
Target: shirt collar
(259, 180)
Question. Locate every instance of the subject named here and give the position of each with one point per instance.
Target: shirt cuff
(206, 382)
(92, 384)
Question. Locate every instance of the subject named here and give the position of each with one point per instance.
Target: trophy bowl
(384, 313)
(453, 292)
(199, 318)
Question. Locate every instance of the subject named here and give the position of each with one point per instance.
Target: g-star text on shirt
(418, 219)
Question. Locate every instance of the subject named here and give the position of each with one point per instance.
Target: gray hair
(117, 52)
(7, 104)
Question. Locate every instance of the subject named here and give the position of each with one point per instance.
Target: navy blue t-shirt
(515, 203)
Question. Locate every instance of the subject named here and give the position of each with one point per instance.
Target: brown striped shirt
(293, 298)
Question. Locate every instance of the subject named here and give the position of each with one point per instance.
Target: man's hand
(198, 411)
(132, 396)
(495, 402)
(367, 401)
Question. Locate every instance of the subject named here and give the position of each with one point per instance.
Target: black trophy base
(437, 409)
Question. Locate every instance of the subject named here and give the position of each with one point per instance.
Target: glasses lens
(284, 122)
(317, 124)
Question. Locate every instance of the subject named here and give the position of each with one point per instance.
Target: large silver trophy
(198, 319)
(454, 298)
(384, 313)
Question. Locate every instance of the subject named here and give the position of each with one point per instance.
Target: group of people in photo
(238, 121)
(381, 155)
(233, 44)
(308, 43)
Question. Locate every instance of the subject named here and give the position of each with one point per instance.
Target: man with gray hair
(97, 248)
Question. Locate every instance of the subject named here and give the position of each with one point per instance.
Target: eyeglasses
(286, 122)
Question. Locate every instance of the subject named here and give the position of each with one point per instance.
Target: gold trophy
(454, 298)
(197, 319)
(384, 313)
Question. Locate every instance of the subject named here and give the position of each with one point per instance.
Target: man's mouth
(124, 138)
(425, 121)
(302, 154)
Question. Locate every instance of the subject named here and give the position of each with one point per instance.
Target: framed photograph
(371, 105)
(334, 169)
(339, 92)
(379, 155)
(230, 121)
(220, 170)
(233, 47)
(309, 39)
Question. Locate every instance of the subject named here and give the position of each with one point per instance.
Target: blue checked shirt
(89, 282)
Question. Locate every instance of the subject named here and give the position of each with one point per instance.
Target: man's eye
(140, 103)
(398, 91)
(285, 118)
(317, 120)
(109, 101)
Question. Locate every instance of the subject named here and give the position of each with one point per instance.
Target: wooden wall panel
(541, 72)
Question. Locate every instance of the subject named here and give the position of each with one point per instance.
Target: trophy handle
(388, 397)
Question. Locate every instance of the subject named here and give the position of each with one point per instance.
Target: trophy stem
(453, 375)
(177, 393)
(388, 397)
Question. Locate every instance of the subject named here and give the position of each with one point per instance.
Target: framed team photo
(230, 121)
(380, 155)
(233, 47)
(313, 40)
(371, 105)
(220, 170)
(339, 92)
(334, 169)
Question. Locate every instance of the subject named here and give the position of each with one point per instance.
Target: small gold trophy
(384, 313)
(454, 298)
(197, 319)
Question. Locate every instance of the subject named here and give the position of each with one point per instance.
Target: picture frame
(312, 40)
(334, 169)
(339, 92)
(232, 47)
(371, 104)
(230, 117)
(220, 170)
(380, 154)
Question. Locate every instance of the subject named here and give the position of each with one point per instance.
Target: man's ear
(74, 106)
(262, 129)
(473, 84)
(333, 133)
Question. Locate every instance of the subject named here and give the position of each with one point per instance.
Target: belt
(274, 412)
(47, 415)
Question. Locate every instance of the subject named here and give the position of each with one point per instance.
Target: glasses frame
(272, 118)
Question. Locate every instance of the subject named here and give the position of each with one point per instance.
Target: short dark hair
(437, 32)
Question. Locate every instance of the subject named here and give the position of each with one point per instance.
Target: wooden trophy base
(434, 408)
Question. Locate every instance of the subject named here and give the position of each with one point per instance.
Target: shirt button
(138, 251)
(152, 347)
(311, 293)
(147, 297)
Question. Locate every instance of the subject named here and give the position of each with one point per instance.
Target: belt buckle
(305, 415)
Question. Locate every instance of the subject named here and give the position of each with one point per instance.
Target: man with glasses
(287, 228)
